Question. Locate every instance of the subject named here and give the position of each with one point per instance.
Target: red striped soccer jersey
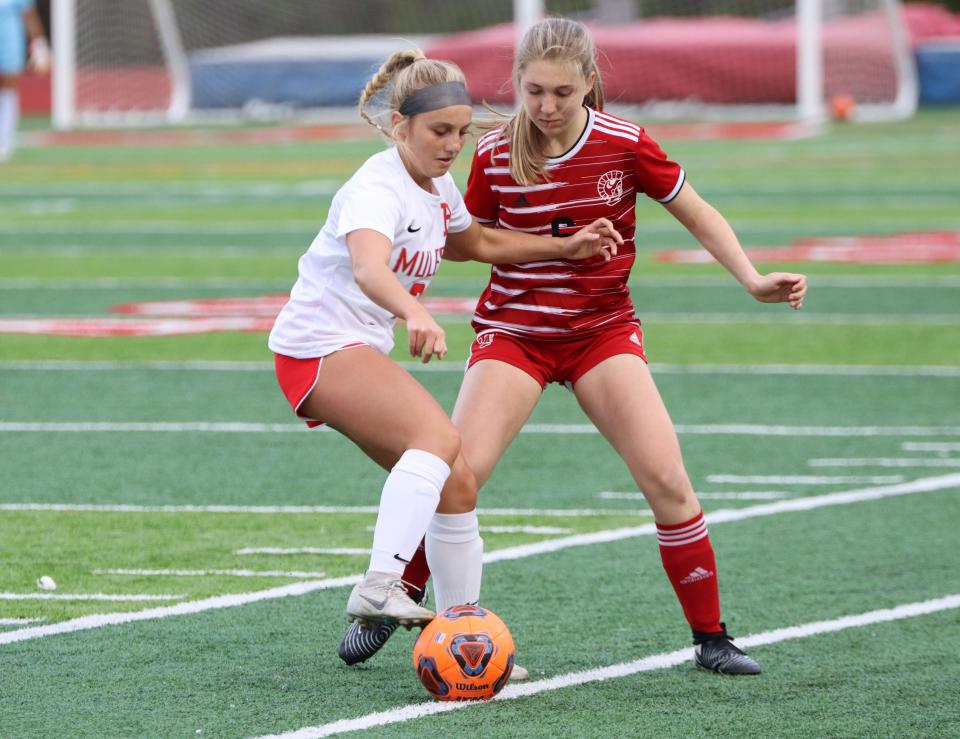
(599, 177)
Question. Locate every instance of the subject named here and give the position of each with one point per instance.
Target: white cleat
(381, 598)
(519, 674)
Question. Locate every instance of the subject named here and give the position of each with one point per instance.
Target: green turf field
(152, 477)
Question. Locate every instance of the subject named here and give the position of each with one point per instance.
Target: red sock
(688, 559)
(417, 571)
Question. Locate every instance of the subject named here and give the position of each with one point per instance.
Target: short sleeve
(460, 218)
(657, 176)
(480, 199)
(373, 205)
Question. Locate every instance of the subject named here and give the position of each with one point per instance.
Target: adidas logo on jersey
(698, 574)
(521, 201)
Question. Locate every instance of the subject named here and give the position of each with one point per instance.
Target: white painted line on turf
(210, 573)
(926, 485)
(743, 495)
(626, 669)
(56, 365)
(806, 479)
(736, 429)
(930, 446)
(196, 606)
(534, 530)
(20, 621)
(336, 551)
(87, 596)
(883, 462)
(295, 509)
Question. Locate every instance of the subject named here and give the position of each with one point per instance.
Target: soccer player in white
(385, 234)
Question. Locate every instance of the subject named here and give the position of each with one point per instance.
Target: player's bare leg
(494, 402)
(371, 400)
(620, 397)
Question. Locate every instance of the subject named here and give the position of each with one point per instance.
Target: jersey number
(560, 222)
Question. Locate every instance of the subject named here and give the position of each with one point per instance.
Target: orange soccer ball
(465, 653)
(842, 107)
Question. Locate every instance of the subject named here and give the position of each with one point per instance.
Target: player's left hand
(600, 238)
(780, 287)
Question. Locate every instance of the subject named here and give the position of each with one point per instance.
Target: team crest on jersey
(610, 186)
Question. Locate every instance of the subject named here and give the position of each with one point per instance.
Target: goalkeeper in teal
(19, 22)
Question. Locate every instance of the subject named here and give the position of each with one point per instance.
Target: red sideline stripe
(919, 248)
(123, 327)
(261, 307)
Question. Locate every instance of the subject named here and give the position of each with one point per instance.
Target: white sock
(455, 556)
(408, 501)
(9, 115)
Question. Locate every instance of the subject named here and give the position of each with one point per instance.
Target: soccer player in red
(559, 163)
(383, 240)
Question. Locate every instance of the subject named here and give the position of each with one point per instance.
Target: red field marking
(180, 317)
(257, 307)
(933, 247)
(725, 131)
(125, 327)
(201, 137)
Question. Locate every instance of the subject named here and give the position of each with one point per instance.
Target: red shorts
(558, 360)
(298, 377)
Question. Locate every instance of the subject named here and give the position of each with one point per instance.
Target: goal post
(130, 62)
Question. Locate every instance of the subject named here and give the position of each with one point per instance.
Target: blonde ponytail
(408, 71)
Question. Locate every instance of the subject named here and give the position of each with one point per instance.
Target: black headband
(435, 97)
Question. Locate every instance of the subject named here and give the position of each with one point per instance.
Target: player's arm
(714, 233)
(500, 246)
(39, 48)
(370, 258)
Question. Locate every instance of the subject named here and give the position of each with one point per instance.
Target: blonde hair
(408, 71)
(553, 39)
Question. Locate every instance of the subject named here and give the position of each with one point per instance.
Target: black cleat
(716, 652)
(359, 643)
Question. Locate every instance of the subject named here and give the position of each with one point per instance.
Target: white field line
(297, 509)
(744, 495)
(736, 429)
(927, 485)
(806, 479)
(86, 596)
(535, 530)
(20, 621)
(625, 669)
(210, 573)
(724, 515)
(930, 446)
(180, 609)
(55, 365)
(336, 551)
(883, 462)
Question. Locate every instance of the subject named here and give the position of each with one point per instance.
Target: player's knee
(460, 493)
(444, 441)
(670, 486)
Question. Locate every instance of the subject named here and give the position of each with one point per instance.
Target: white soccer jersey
(327, 309)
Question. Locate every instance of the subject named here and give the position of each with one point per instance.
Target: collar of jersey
(578, 144)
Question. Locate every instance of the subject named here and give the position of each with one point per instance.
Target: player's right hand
(600, 238)
(426, 337)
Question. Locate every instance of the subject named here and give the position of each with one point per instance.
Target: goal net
(122, 62)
